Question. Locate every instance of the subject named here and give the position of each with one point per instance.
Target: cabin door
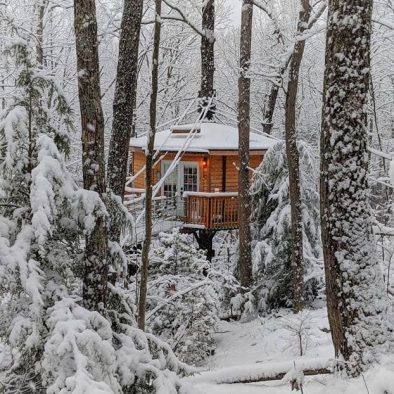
(185, 178)
(170, 185)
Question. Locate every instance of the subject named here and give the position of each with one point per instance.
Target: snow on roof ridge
(210, 136)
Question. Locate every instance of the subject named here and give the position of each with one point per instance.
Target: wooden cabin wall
(232, 163)
(138, 162)
(211, 175)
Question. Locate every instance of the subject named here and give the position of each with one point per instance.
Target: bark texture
(207, 59)
(40, 11)
(244, 200)
(293, 161)
(270, 104)
(354, 284)
(149, 168)
(125, 96)
(96, 267)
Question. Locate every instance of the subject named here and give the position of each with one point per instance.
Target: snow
(255, 371)
(267, 346)
(210, 194)
(212, 136)
(263, 345)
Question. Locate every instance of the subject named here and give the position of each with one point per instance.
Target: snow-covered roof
(208, 137)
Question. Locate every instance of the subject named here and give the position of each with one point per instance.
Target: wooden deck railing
(211, 210)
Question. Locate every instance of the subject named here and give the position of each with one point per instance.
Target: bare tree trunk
(149, 169)
(40, 11)
(125, 96)
(96, 268)
(354, 283)
(207, 58)
(293, 161)
(244, 200)
(270, 104)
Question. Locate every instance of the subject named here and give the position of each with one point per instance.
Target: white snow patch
(212, 136)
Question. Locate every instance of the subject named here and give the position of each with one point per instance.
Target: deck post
(204, 239)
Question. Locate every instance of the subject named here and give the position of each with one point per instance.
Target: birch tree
(149, 167)
(244, 201)
(92, 123)
(354, 285)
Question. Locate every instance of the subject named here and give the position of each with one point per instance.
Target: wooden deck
(211, 211)
(196, 210)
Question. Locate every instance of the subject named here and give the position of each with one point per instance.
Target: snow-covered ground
(272, 339)
(268, 342)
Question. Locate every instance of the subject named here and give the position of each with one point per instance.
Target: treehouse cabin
(204, 182)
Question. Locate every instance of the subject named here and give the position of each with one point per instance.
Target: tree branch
(183, 18)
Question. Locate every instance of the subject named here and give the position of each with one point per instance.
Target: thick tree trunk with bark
(354, 284)
(125, 96)
(244, 200)
(149, 169)
(96, 267)
(207, 58)
(293, 161)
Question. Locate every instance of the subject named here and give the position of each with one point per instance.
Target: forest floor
(270, 341)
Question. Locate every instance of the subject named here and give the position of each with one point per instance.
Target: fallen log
(263, 372)
(281, 375)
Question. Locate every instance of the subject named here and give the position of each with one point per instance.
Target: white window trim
(179, 171)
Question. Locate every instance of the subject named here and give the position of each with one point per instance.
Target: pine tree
(187, 322)
(57, 344)
(272, 235)
(37, 234)
(354, 284)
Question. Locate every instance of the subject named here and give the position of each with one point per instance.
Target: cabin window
(185, 178)
(190, 177)
(171, 182)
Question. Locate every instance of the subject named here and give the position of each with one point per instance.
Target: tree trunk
(207, 58)
(204, 239)
(125, 97)
(149, 169)
(96, 268)
(354, 283)
(244, 200)
(270, 104)
(40, 10)
(293, 161)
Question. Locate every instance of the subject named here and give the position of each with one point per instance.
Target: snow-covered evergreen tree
(182, 297)
(55, 344)
(35, 192)
(272, 231)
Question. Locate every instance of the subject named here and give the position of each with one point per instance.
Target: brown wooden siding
(211, 175)
(215, 211)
